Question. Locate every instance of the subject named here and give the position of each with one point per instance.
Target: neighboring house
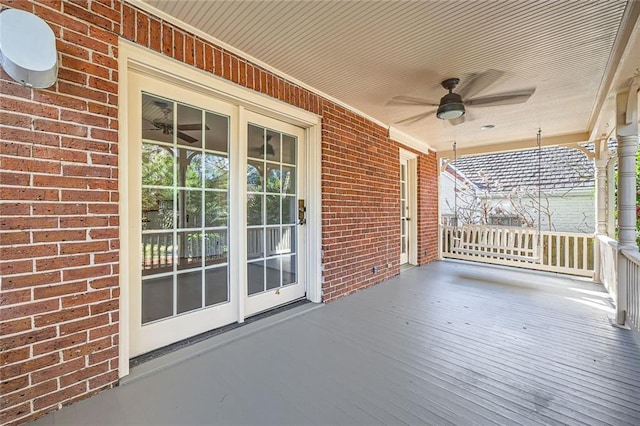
(502, 189)
(453, 180)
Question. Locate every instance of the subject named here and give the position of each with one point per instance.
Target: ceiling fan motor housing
(450, 107)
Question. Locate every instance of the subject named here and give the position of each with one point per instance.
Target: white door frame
(412, 196)
(146, 62)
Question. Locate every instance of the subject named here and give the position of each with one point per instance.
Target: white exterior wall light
(27, 49)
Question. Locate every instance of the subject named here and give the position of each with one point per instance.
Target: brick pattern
(360, 207)
(164, 37)
(59, 215)
(59, 218)
(427, 208)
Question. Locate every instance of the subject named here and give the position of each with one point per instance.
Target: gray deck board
(450, 343)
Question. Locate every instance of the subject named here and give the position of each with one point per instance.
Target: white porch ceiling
(363, 53)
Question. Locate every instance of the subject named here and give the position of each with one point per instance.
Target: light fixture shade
(270, 151)
(28, 49)
(450, 111)
(451, 107)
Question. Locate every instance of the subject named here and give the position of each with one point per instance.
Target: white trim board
(409, 141)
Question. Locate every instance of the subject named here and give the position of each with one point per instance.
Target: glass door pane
(185, 208)
(271, 209)
(404, 212)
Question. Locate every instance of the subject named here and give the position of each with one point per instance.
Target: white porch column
(611, 199)
(601, 195)
(627, 129)
(600, 164)
(627, 150)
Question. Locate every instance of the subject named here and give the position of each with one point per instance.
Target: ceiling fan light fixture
(270, 151)
(450, 111)
(450, 107)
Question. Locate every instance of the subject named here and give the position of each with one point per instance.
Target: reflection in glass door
(185, 182)
(271, 210)
(404, 213)
(272, 231)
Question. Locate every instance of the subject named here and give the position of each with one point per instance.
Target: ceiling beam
(520, 145)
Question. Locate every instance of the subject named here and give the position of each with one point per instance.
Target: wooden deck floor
(447, 343)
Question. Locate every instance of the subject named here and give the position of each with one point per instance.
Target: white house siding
(447, 187)
(574, 212)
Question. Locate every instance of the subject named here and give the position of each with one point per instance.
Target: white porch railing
(607, 269)
(158, 251)
(568, 253)
(158, 248)
(630, 278)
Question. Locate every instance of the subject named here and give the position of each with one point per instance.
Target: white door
(213, 210)
(404, 212)
(274, 220)
(179, 194)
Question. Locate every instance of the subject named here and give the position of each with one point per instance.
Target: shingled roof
(561, 168)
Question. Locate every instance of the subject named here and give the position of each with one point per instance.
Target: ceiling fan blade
(410, 100)
(149, 125)
(194, 126)
(160, 124)
(415, 118)
(478, 82)
(186, 137)
(511, 98)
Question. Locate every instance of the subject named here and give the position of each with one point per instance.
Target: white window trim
(133, 57)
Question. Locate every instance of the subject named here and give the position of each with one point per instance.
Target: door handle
(302, 220)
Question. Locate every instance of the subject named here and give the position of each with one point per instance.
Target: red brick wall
(59, 211)
(59, 218)
(427, 208)
(360, 203)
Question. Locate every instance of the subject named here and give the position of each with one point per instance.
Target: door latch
(301, 213)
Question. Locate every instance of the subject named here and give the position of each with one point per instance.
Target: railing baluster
(588, 242)
(166, 249)
(154, 246)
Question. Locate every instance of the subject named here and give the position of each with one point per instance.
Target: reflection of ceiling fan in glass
(166, 124)
(261, 150)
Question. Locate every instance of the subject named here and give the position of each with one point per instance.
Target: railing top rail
(632, 255)
(519, 229)
(605, 239)
(568, 234)
(488, 226)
